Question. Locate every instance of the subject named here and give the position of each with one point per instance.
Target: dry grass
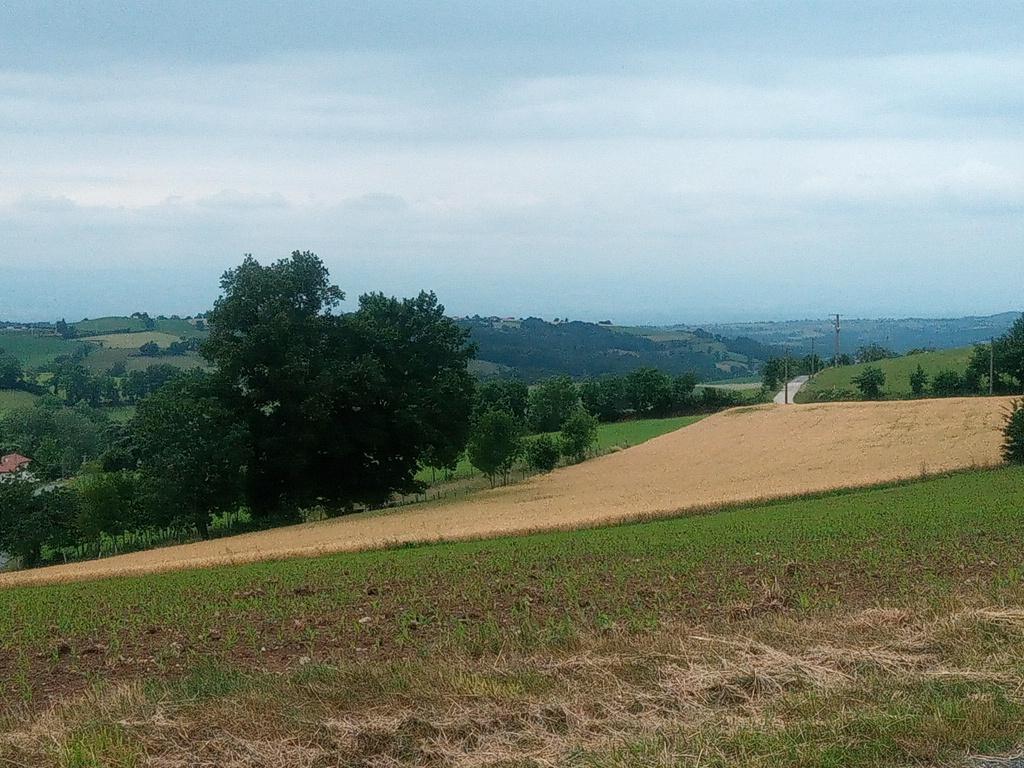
(670, 697)
(741, 455)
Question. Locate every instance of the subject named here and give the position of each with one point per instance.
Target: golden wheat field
(735, 456)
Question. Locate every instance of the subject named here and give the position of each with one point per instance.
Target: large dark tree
(32, 517)
(1007, 360)
(191, 450)
(870, 382)
(406, 399)
(10, 371)
(1009, 354)
(606, 397)
(342, 409)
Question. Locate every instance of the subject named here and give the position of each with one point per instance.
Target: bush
(579, 433)
(542, 454)
(872, 353)
(835, 395)
(947, 384)
(870, 382)
(918, 381)
(1013, 433)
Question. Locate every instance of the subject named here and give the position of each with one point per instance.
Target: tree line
(562, 416)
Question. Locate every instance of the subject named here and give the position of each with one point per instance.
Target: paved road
(793, 386)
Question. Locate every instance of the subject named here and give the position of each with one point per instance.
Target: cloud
(681, 162)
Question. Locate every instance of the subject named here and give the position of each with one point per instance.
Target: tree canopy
(341, 409)
(192, 451)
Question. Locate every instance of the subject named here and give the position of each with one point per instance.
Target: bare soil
(741, 455)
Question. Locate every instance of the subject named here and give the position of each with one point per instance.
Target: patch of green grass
(98, 745)
(883, 725)
(621, 434)
(734, 382)
(101, 359)
(35, 348)
(120, 413)
(897, 373)
(12, 398)
(624, 434)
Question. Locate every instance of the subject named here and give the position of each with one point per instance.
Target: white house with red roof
(13, 464)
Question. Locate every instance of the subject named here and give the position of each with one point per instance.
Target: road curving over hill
(743, 454)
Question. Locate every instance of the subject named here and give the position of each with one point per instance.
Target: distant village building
(14, 464)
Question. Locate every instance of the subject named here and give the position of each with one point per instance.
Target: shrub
(835, 395)
(542, 454)
(1013, 433)
(947, 384)
(918, 381)
(870, 382)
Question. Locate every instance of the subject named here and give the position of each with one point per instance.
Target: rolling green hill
(107, 341)
(123, 324)
(34, 348)
(532, 349)
(897, 373)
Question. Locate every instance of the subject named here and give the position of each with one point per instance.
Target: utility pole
(835, 357)
(785, 383)
(812, 357)
(991, 365)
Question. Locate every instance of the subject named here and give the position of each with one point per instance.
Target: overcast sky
(644, 162)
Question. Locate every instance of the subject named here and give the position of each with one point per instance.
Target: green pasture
(14, 398)
(35, 348)
(622, 434)
(897, 373)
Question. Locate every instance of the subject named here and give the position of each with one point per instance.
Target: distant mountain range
(900, 335)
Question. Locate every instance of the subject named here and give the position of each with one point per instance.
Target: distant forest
(533, 349)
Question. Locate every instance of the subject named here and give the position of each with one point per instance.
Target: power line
(835, 356)
(991, 365)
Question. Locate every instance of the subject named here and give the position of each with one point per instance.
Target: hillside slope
(734, 456)
(533, 349)
(899, 334)
(897, 373)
